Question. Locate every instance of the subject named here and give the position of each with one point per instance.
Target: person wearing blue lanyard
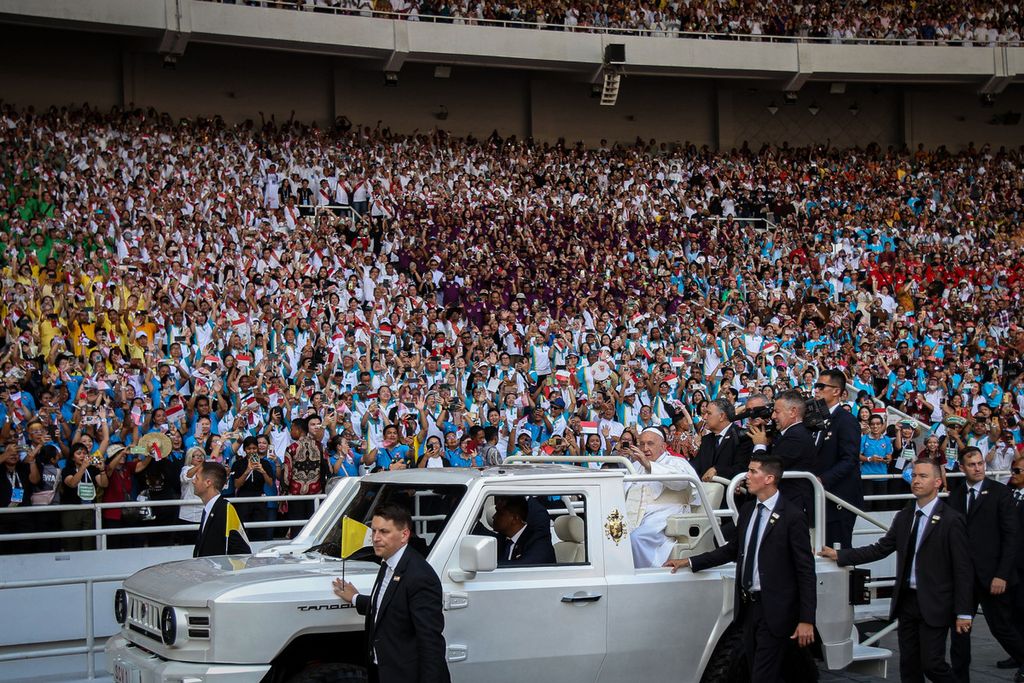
(16, 487)
(390, 455)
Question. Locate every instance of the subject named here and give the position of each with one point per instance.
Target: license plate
(126, 673)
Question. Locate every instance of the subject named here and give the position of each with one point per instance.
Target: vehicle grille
(144, 617)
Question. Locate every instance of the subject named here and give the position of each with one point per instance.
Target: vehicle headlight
(120, 606)
(169, 625)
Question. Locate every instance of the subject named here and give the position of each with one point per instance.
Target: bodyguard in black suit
(725, 450)
(775, 598)
(404, 622)
(933, 569)
(220, 529)
(993, 537)
(794, 447)
(1017, 585)
(838, 459)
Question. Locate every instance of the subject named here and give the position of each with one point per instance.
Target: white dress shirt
(207, 511)
(514, 541)
(389, 573)
(766, 514)
(925, 521)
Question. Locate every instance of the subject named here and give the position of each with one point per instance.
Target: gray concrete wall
(42, 67)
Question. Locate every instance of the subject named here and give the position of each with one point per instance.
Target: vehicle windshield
(429, 504)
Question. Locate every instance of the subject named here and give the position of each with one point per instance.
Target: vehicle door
(533, 622)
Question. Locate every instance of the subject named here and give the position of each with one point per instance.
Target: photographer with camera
(793, 446)
(724, 451)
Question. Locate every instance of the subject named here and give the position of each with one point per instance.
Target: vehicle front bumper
(128, 663)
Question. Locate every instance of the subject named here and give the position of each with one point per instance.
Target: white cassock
(649, 504)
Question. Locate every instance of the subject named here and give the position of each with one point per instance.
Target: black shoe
(1008, 663)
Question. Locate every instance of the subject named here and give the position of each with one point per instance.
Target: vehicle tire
(729, 660)
(330, 672)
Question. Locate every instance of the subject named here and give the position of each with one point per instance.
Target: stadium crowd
(303, 303)
(980, 23)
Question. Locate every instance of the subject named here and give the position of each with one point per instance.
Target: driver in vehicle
(649, 504)
(519, 540)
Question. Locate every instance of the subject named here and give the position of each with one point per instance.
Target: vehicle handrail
(562, 459)
(154, 503)
(819, 501)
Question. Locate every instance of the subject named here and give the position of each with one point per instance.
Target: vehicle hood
(196, 582)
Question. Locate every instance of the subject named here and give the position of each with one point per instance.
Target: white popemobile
(590, 616)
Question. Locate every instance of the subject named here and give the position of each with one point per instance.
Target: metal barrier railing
(299, 5)
(102, 533)
(90, 648)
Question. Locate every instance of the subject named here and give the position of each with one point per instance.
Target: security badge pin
(773, 518)
(935, 519)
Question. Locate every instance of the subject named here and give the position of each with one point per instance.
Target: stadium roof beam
(175, 37)
(400, 53)
(797, 81)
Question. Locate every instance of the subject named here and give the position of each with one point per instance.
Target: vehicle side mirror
(476, 554)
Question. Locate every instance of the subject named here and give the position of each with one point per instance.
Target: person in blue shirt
(344, 462)
(875, 454)
(391, 454)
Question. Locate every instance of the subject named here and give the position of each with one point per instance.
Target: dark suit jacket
(944, 573)
(729, 459)
(1019, 513)
(992, 530)
(796, 450)
(211, 540)
(407, 635)
(785, 567)
(534, 547)
(838, 460)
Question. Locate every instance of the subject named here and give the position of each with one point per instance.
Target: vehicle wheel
(729, 660)
(329, 672)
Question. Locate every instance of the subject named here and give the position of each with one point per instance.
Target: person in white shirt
(649, 504)
(191, 513)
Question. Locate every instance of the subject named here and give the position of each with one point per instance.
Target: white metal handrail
(102, 533)
(90, 648)
(819, 501)
(298, 5)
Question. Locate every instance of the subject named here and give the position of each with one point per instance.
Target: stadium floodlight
(391, 79)
(790, 96)
(773, 108)
(814, 108)
(854, 109)
(170, 62)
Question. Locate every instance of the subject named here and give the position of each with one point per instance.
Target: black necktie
(748, 557)
(972, 494)
(376, 588)
(202, 522)
(912, 547)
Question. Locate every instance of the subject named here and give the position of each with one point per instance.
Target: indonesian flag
(385, 330)
(175, 413)
(671, 379)
(274, 397)
(244, 361)
(770, 347)
(211, 360)
(878, 411)
(238, 323)
(636, 318)
(445, 365)
(249, 402)
(589, 427)
(562, 375)
(678, 361)
(687, 351)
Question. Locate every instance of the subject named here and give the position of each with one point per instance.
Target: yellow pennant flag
(233, 523)
(353, 536)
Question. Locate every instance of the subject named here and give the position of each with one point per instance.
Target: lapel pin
(985, 492)
(396, 579)
(935, 518)
(775, 516)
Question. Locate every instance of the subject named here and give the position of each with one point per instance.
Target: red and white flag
(175, 413)
(589, 427)
(678, 361)
(244, 361)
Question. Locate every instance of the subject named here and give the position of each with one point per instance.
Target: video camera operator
(793, 445)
